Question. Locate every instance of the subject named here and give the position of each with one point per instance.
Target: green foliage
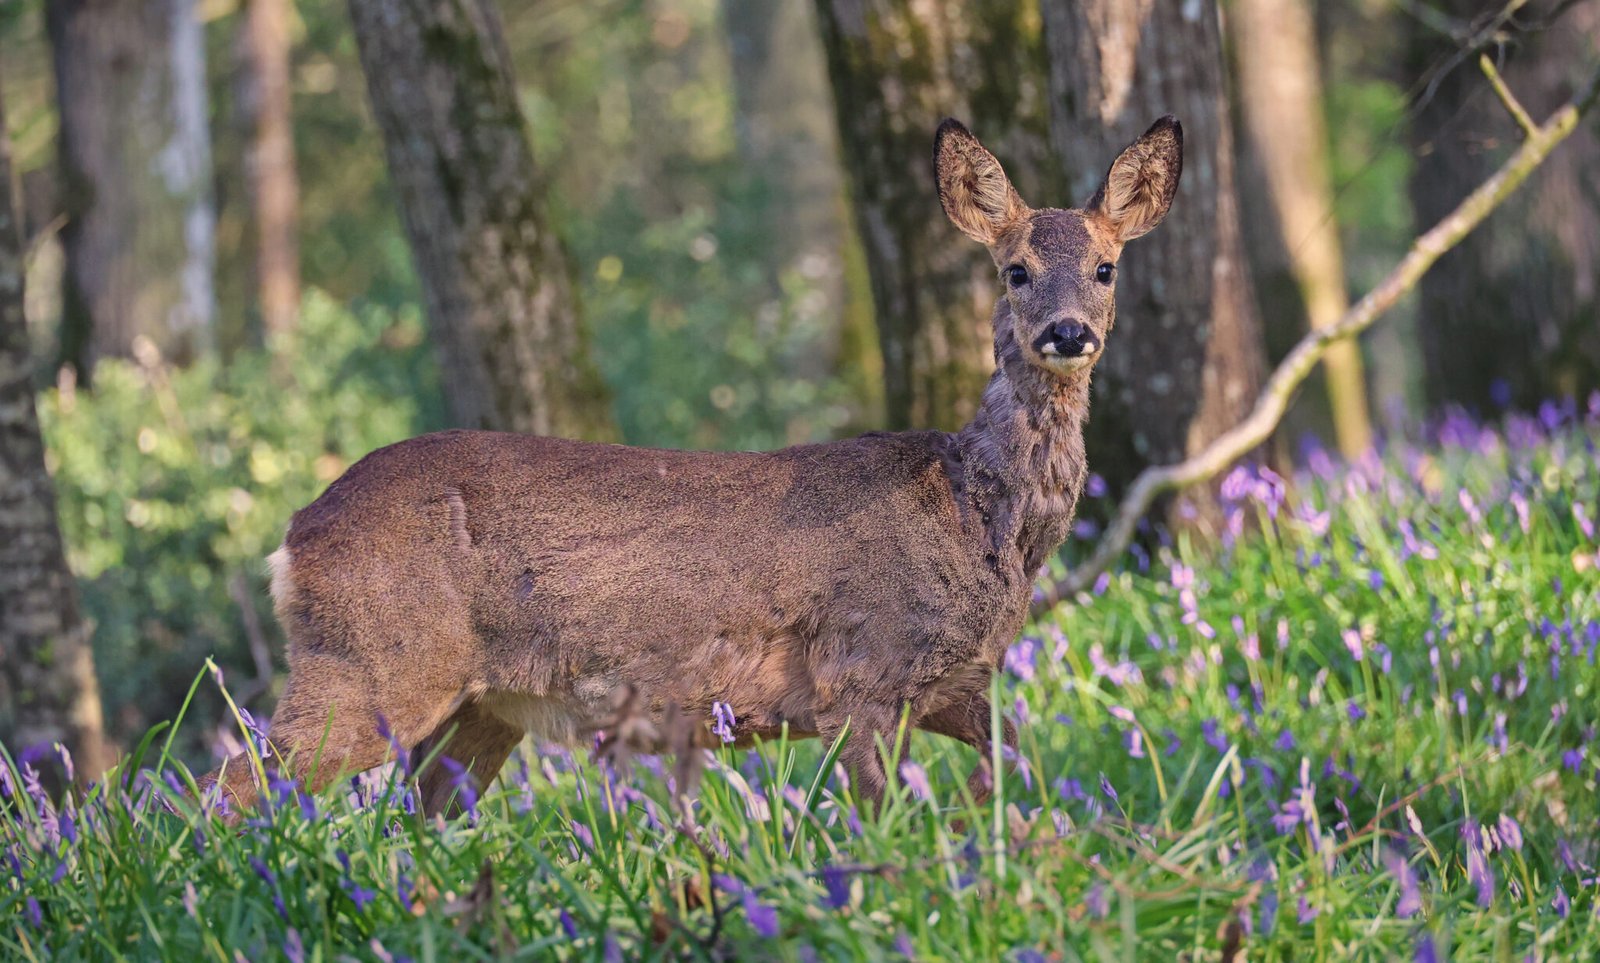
(174, 483)
(1363, 731)
(702, 354)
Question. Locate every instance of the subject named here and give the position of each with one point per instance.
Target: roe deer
(492, 585)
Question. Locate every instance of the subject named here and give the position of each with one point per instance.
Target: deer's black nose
(1073, 338)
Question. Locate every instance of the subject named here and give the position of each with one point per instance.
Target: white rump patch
(282, 580)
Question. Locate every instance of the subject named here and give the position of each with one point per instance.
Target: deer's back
(558, 567)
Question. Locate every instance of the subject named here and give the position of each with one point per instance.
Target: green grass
(1210, 767)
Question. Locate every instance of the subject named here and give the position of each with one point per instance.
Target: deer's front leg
(860, 756)
(968, 720)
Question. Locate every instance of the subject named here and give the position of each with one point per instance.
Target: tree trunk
(48, 692)
(1509, 316)
(264, 46)
(1185, 360)
(898, 68)
(1280, 83)
(136, 177)
(497, 280)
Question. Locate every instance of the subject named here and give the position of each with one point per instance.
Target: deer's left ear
(1142, 181)
(973, 187)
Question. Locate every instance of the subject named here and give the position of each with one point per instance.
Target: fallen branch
(1274, 398)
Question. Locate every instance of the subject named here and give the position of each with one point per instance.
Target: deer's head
(1058, 267)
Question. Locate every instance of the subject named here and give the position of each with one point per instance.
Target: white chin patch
(1056, 362)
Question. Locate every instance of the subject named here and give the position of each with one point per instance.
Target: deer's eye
(1105, 272)
(1016, 275)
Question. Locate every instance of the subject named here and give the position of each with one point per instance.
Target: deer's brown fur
(487, 584)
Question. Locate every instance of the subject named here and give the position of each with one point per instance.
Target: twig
(1274, 398)
(1506, 96)
(250, 619)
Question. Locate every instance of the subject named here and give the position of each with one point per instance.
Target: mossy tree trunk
(496, 279)
(1510, 315)
(48, 692)
(898, 68)
(1185, 360)
(135, 177)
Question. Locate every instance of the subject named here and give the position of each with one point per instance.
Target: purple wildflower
(35, 914)
(1107, 789)
(1410, 902)
(1510, 832)
(1426, 951)
(1352, 641)
(1562, 904)
(916, 779)
(1022, 657)
(1306, 912)
(837, 882)
(1096, 902)
(723, 721)
(763, 918)
(567, 924)
(1478, 870)
(66, 762)
(401, 755)
(465, 786)
(293, 948)
(1585, 523)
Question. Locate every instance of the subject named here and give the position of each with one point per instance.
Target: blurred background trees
(711, 224)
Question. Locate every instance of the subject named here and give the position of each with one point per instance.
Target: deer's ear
(973, 188)
(1142, 181)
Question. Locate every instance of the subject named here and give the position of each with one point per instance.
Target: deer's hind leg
(473, 737)
(330, 724)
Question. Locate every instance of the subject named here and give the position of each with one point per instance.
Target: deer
(479, 587)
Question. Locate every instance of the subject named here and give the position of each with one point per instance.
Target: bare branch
(1274, 398)
(1529, 128)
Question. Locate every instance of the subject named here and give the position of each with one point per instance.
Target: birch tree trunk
(1185, 359)
(135, 161)
(48, 692)
(1280, 89)
(264, 46)
(496, 279)
(898, 68)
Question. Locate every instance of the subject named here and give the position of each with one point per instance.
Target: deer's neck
(1023, 460)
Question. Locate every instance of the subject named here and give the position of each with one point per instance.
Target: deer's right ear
(973, 188)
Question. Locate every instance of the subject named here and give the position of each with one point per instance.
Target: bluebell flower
(723, 721)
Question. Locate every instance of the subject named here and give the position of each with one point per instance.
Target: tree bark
(1509, 316)
(135, 162)
(1280, 88)
(496, 279)
(897, 69)
(264, 46)
(48, 692)
(1185, 359)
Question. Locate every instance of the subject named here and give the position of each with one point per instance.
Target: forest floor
(1365, 728)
